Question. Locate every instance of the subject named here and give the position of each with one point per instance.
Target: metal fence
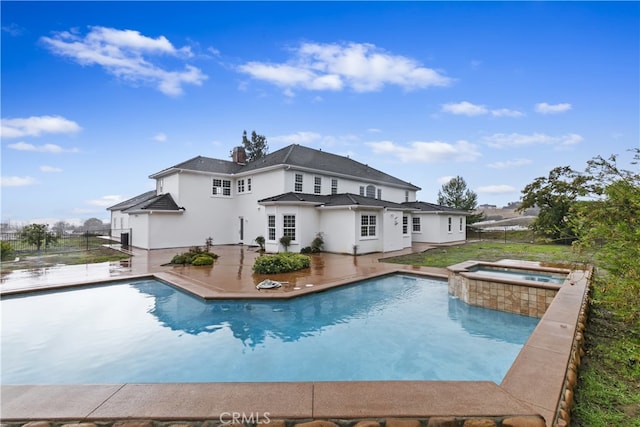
(63, 243)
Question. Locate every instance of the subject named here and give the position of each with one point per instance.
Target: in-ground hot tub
(521, 287)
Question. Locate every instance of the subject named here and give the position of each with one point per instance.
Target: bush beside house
(281, 263)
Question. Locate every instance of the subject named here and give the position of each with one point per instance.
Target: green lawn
(493, 251)
(101, 254)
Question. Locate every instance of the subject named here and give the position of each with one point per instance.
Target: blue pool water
(520, 274)
(391, 328)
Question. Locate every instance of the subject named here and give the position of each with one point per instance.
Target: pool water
(397, 327)
(519, 274)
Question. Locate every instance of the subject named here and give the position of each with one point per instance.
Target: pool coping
(523, 391)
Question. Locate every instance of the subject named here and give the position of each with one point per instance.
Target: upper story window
(362, 190)
(244, 185)
(334, 186)
(297, 186)
(368, 226)
(406, 195)
(416, 227)
(221, 187)
(371, 191)
(379, 194)
(405, 224)
(160, 188)
(317, 185)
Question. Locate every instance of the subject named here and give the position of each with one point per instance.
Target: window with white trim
(289, 226)
(334, 186)
(405, 224)
(241, 186)
(461, 224)
(249, 185)
(371, 191)
(317, 185)
(221, 187)
(406, 195)
(297, 186)
(271, 227)
(415, 224)
(362, 190)
(368, 226)
(379, 194)
(449, 224)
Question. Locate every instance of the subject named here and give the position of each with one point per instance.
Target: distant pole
(505, 235)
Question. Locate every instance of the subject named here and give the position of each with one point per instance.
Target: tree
(610, 223)
(455, 194)
(255, 148)
(554, 196)
(93, 224)
(37, 234)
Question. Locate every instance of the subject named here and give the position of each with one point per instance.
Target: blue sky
(96, 96)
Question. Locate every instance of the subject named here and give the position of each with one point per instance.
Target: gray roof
(133, 201)
(295, 156)
(430, 207)
(163, 202)
(343, 199)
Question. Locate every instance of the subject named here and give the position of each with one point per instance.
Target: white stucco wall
(435, 228)
(345, 185)
(339, 230)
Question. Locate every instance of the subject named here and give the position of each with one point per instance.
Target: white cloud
(50, 169)
(444, 179)
(160, 137)
(505, 112)
(428, 152)
(37, 125)
(45, 148)
(129, 55)
(106, 201)
(361, 67)
(17, 181)
(502, 140)
(497, 189)
(544, 108)
(509, 164)
(298, 138)
(464, 108)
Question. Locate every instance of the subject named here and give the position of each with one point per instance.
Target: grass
(493, 251)
(91, 256)
(608, 389)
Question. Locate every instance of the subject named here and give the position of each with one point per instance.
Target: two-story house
(295, 191)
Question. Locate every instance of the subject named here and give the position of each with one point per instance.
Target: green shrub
(179, 259)
(7, 251)
(202, 260)
(306, 250)
(317, 244)
(194, 254)
(281, 263)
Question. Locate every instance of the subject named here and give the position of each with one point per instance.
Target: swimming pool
(397, 327)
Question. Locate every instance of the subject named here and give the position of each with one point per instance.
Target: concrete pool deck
(536, 384)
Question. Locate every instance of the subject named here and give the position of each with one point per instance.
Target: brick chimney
(239, 155)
